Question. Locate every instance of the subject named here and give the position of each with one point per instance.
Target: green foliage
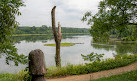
(126, 34)
(27, 77)
(113, 15)
(130, 76)
(91, 67)
(8, 10)
(132, 35)
(92, 57)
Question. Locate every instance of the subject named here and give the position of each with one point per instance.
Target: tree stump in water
(37, 67)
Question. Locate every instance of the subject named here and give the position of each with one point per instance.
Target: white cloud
(82, 5)
(68, 12)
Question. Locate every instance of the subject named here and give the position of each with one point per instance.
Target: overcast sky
(68, 12)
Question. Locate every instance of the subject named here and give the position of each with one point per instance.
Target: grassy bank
(62, 44)
(8, 77)
(13, 77)
(77, 69)
(91, 67)
(130, 76)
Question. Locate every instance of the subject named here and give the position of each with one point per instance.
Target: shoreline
(49, 34)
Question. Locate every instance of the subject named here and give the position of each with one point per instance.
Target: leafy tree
(8, 10)
(112, 15)
(44, 26)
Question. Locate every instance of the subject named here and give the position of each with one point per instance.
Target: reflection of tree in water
(103, 46)
(43, 38)
(120, 48)
(126, 48)
(32, 38)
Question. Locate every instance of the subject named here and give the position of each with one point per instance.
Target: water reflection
(126, 48)
(118, 47)
(71, 55)
(103, 46)
(42, 38)
(32, 38)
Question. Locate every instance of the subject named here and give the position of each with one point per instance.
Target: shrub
(91, 67)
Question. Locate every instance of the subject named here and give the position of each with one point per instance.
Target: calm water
(70, 54)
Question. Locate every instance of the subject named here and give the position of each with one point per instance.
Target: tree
(44, 26)
(57, 37)
(112, 15)
(8, 10)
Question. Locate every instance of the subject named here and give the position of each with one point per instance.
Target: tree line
(48, 30)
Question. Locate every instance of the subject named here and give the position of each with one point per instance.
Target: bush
(91, 67)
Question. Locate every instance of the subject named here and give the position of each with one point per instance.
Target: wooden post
(37, 67)
(57, 37)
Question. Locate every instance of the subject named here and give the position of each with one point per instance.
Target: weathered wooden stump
(37, 67)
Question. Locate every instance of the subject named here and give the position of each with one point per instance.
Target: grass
(12, 77)
(62, 44)
(130, 76)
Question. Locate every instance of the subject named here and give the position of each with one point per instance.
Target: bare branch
(53, 23)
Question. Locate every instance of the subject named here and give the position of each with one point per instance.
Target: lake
(69, 55)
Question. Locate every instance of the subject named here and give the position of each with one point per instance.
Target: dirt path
(96, 75)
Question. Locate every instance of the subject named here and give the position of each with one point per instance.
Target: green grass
(130, 76)
(12, 77)
(62, 44)
(8, 77)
